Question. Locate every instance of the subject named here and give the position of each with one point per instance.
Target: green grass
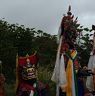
(10, 89)
(44, 75)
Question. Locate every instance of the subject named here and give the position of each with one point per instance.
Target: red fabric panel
(22, 60)
(33, 59)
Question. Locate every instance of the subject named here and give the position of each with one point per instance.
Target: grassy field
(44, 75)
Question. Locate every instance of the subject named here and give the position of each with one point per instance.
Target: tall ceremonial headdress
(64, 74)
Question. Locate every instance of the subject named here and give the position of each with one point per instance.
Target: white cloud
(46, 14)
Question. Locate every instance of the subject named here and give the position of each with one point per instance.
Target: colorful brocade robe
(27, 83)
(64, 74)
(25, 89)
(67, 63)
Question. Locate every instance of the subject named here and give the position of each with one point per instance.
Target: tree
(18, 39)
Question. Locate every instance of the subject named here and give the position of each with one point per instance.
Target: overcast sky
(46, 14)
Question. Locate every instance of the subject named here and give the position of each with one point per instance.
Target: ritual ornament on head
(27, 67)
